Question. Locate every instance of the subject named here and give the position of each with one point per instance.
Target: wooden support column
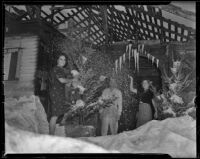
(30, 11)
(105, 23)
(52, 15)
(89, 25)
(162, 33)
(137, 31)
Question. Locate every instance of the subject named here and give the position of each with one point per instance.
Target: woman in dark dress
(146, 108)
(59, 79)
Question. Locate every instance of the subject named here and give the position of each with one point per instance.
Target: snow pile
(27, 113)
(19, 141)
(173, 136)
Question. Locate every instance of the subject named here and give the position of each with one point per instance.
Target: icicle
(157, 62)
(138, 61)
(142, 48)
(129, 58)
(135, 58)
(126, 48)
(120, 63)
(116, 65)
(124, 58)
(148, 56)
(152, 60)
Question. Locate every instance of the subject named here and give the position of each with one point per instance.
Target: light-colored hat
(75, 73)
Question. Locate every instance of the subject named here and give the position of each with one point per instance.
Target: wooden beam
(64, 7)
(95, 20)
(105, 21)
(177, 11)
(47, 15)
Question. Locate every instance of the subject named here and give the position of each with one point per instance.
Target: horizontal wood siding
(29, 58)
(26, 67)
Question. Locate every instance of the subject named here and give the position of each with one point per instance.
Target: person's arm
(100, 100)
(131, 86)
(64, 80)
(155, 108)
(119, 103)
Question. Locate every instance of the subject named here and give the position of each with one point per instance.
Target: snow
(19, 141)
(27, 113)
(174, 136)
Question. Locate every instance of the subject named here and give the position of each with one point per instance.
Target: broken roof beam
(177, 11)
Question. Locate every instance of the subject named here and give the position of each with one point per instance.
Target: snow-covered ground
(173, 136)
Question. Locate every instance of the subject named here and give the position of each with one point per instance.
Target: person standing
(146, 111)
(58, 80)
(146, 108)
(110, 115)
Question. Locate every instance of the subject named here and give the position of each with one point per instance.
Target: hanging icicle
(129, 58)
(138, 62)
(135, 58)
(142, 48)
(120, 63)
(126, 48)
(116, 65)
(148, 56)
(152, 60)
(157, 62)
(124, 58)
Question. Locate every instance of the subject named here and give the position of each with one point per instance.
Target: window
(11, 64)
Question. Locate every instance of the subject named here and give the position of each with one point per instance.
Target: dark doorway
(148, 71)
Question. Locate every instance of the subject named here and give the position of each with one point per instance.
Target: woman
(146, 108)
(57, 90)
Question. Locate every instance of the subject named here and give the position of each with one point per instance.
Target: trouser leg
(113, 126)
(104, 126)
(116, 128)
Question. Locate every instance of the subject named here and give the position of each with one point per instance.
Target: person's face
(61, 61)
(112, 83)
(145, 85)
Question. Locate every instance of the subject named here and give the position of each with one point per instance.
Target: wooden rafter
(146, 23)
(177, 11)
(104, 14)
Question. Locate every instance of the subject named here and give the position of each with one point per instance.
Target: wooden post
(52, 15)
(105, 23)
(89, 21)
(38, 12)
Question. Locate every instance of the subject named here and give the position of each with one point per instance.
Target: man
(110, 115)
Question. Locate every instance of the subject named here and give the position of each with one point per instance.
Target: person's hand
(100, 101)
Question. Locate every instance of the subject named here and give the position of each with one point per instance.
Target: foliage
(180, 79)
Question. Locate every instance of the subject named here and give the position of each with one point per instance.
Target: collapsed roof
(102, 24)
